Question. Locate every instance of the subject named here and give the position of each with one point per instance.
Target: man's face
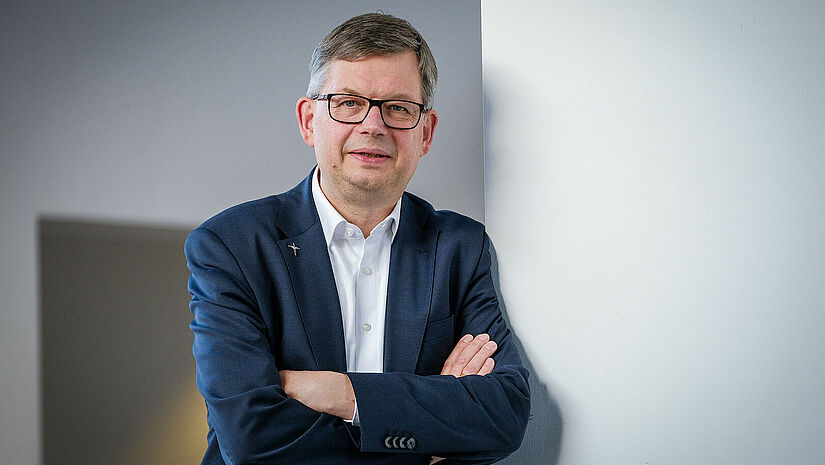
(367, 158)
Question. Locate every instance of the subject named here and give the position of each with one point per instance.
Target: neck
(363, 209)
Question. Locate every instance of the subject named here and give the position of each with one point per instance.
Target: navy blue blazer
(258, 307)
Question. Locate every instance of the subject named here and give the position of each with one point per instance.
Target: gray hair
(368, 35)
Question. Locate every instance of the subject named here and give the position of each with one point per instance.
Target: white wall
(655, 190)
(168, 112)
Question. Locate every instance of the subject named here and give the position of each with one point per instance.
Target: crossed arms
(265, 405)
(331, 392)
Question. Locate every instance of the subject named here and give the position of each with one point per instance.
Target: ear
(305, 112)
(429, 123)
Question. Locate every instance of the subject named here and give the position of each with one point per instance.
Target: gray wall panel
(164, 113)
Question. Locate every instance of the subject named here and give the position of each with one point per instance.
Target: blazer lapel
(306, 257)
(410, 288)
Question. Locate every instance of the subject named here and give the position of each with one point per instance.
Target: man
(346, 321)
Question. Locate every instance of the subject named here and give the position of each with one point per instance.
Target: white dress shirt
(361, 267)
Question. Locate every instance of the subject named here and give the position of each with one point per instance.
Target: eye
(348, 102)
(398, 108)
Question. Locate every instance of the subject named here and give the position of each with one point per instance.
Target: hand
(471, 356)
(323, 391)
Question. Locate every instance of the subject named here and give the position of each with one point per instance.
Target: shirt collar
(332, 221)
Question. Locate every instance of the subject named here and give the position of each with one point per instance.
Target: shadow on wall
(542, 441)
(117, 372)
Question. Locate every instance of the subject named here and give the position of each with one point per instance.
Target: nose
(373, 124)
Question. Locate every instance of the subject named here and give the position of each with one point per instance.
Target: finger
(487, 368)
(459, 347)
(468, 353)
(479, 358)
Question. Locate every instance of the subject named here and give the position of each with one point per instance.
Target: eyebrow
(402, 96)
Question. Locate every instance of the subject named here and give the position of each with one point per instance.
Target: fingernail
(488, 362)
(483, 337)
(490, 345)
(467, 338)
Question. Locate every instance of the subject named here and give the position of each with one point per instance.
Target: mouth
(370, 154)
(370, 157)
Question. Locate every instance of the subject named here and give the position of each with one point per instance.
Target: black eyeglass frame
(373, 103)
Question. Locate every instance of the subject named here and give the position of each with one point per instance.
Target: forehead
(377, 76)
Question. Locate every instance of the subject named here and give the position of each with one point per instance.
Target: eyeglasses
(353, 109)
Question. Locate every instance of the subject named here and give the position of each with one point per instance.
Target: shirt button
(366, 327)
(349, 232)
(367, 271)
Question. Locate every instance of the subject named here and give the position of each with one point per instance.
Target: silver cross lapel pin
(294, 248)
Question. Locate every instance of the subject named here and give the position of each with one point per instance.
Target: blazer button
(402, 442)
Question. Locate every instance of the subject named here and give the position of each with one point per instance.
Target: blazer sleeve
(472, 419)
(255, 422)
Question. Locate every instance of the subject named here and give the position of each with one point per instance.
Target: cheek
(412, 148)
(329, 140)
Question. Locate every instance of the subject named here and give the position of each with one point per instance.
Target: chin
(369, 184)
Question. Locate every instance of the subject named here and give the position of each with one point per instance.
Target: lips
(370, 153)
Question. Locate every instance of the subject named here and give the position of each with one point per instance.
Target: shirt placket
(366, 297)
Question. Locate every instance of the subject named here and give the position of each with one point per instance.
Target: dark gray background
(161, 114)
(116, 352)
